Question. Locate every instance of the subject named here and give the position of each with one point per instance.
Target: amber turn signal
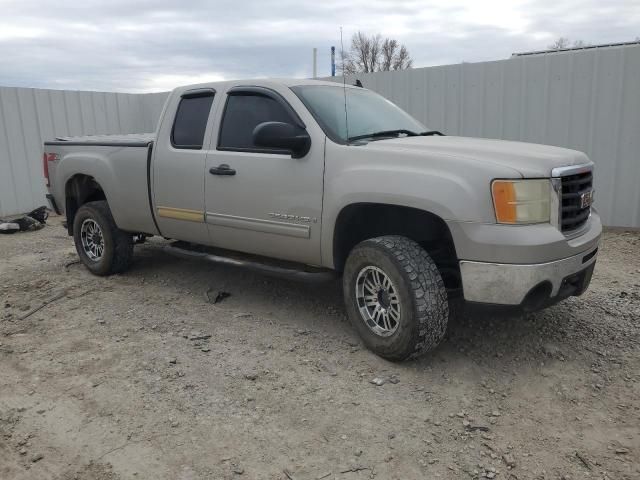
(522, 201)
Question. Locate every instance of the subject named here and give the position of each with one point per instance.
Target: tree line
(373, 53)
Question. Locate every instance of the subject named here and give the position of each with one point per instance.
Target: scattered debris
(40, 214)
(37, 457)
(34, 220)
(199, 336)
(378, 382)
(9, 227)
(219, 296)
(355, 469)
(584, 461)
(473, 428)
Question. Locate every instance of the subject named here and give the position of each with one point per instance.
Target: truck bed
(119, 140)
(120, 163)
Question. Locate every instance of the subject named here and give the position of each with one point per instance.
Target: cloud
(154, 45)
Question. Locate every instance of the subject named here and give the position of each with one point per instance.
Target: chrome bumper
(510, 284)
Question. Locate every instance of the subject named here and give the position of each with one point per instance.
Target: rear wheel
(395, 297)
(102, 246)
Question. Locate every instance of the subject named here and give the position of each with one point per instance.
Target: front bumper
(531, 286)
(522, 244)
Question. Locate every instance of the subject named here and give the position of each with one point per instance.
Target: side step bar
(269, 266)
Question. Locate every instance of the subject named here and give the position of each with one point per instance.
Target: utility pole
(333, 62)
(315, 63)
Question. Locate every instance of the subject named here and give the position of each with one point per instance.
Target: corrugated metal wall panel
(29, 116)
(8, 200)
(628, 153)
(152, 105)
(31, 151)
(586, 100)
(15, 136)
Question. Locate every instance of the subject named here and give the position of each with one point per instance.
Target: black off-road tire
(118, 245)
(422, 295)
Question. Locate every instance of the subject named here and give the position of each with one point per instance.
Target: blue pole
(333, 61)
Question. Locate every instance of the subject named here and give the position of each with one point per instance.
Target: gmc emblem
(586, 199)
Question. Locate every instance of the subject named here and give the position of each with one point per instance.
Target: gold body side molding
(181, 214)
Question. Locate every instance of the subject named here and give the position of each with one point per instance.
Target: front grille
(572, 214)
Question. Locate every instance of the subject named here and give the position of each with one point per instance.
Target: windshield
(368, 113)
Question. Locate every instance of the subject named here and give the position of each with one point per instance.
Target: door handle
(223, 169)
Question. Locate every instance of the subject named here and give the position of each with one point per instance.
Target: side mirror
(283, 136)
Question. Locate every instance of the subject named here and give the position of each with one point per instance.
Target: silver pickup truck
(312, 174)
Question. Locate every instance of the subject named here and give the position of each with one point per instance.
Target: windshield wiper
(386, 133)
(431, 133)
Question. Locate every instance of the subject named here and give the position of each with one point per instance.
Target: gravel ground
(138, 376)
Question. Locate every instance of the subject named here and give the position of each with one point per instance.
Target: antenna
(344, 87)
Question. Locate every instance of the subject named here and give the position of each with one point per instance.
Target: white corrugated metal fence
(30, 116)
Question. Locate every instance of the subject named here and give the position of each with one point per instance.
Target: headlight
(522, 201)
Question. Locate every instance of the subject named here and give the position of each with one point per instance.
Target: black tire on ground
(118, 245)
(422, 296)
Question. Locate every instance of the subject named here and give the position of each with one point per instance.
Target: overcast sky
(154, 45)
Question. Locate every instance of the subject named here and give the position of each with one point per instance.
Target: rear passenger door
(267, 203)
(179, 165)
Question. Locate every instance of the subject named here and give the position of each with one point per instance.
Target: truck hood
(527, 159)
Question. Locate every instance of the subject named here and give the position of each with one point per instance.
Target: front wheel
(102, 246)
(395, 297)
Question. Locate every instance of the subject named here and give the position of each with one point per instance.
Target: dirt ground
(138, 376)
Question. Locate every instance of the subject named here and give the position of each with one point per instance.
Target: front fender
(452, 188)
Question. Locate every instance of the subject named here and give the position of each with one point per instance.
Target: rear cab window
(190, 122)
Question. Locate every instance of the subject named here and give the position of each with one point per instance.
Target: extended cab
(316, 174)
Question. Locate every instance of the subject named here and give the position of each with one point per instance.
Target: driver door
(261, 200)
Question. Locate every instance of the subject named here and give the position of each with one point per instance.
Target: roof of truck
(262, 82)
(144, 139)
